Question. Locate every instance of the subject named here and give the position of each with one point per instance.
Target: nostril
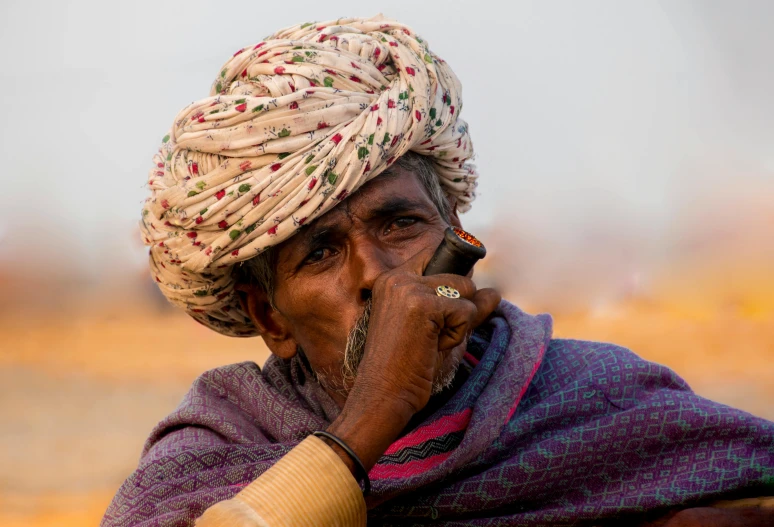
(365, 294)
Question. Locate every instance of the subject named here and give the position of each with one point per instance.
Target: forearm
(714, 517)
(308, 486)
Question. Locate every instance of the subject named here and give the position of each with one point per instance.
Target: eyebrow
(396, 205)
(314, 236)
(322, 234)
(389, 207)
(317, 235)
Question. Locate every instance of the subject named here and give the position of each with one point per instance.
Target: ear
(271, 324)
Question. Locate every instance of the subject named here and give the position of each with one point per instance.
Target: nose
(369, 259)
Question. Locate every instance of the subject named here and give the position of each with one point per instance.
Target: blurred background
(626, 152)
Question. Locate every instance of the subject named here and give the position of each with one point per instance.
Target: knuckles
(417, 304)
(391, 280)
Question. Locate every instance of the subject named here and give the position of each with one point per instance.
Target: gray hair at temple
(259, 271)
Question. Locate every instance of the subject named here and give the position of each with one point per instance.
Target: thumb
(417, 263)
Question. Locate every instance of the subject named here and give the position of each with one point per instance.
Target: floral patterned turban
(292, 126)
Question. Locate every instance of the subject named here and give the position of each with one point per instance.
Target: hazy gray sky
(581, 112)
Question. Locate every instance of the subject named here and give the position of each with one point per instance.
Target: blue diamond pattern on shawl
(543, 432)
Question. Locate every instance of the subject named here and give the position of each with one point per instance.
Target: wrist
(368, 432)
(355, 467)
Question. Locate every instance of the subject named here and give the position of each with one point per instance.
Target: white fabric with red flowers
(292, 126)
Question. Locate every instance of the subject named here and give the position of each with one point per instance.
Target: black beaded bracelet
(358, 464)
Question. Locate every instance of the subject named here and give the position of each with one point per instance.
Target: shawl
(542, 431)
(292, 126)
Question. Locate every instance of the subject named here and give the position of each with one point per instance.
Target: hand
(413, 334)
(732, 517)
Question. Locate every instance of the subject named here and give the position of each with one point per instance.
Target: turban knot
(292, 126)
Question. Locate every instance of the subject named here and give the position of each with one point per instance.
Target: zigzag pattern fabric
(425, 449)
(292, 126)
(543, 432)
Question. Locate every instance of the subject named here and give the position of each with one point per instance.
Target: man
(301, 202)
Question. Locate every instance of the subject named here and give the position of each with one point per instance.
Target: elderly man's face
(325, 273)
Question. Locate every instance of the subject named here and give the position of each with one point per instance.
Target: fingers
(463, 284)
(453, 318)
(462, 316)
(458, 316)
(417, 263)
(486, 301)
(416, 266)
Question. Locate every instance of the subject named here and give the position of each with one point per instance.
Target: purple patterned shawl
(541, 432)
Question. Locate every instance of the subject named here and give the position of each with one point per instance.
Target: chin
(440, 385)
(445, 377)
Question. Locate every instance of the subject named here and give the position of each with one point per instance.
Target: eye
(318, 255)
(401, 223)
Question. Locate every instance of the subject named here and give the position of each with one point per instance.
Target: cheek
(322, 312)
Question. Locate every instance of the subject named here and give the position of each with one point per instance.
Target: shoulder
(585, 354)
(622, 375)
(594, 358)
(219, 389)
(227, 378)
(212, 412)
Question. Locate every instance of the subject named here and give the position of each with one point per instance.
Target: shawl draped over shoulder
(542, 432)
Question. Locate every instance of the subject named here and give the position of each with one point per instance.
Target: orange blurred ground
(81, 394)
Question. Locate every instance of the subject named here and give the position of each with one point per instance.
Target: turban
(292, 126)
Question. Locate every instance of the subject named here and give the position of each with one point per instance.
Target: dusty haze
(626, 153)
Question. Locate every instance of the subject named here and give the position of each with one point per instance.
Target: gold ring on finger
(447, 291)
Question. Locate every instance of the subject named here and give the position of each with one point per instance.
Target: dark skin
(375, 244)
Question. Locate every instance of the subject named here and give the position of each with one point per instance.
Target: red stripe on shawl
(443, 426)
(405, 470)
(471, 359)
(538, 362)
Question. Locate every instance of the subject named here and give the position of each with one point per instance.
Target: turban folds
(292, 126)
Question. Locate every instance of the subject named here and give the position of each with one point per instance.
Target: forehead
(395, 189)
(397, 183)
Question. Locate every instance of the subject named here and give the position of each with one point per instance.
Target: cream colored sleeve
(310, 486)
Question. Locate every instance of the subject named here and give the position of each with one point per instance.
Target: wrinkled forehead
(397, 184)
